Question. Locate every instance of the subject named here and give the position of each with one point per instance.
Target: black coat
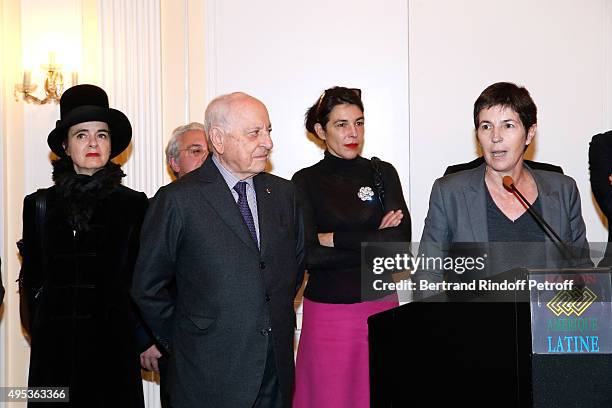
(82, 320)
(600, 166)
(231, 299)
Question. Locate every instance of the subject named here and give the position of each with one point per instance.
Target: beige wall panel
(15, 352)
(175, 100)
(197, 67)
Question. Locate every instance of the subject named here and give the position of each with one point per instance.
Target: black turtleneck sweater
(329, 194)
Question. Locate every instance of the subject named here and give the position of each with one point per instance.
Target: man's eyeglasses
(195, 151)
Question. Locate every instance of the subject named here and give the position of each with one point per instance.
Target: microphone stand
(567, 251)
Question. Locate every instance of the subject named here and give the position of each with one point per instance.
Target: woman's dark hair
(338, 95)
(508, 95)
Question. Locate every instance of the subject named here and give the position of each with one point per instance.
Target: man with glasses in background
(187, 149)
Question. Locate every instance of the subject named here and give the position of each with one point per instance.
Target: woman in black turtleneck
(347, 200)
(80, 243)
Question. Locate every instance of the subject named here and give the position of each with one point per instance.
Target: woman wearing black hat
(80, 241)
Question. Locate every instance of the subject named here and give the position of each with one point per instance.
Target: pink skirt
(332, 368)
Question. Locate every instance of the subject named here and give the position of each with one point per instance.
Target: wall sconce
(54, 84)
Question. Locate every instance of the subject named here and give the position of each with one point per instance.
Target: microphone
(508, 183)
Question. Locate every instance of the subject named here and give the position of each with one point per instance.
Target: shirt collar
(229, 177)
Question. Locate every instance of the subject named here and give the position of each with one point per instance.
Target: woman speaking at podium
(484, 205)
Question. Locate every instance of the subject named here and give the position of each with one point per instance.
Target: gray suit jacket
(229, 297)
(457, 212)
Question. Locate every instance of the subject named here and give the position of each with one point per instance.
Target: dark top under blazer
(455, 168)
(229, 298)
(457, 211)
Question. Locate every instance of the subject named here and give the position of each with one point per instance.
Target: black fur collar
(81, 193)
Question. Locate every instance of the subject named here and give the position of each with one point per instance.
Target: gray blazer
(457, 210)
(211, 297)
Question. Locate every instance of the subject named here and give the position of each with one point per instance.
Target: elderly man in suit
(231, 236)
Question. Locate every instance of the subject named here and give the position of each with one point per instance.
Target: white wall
(558, 49)
(287, 53)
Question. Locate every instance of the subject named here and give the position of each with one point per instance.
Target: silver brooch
(365, 193)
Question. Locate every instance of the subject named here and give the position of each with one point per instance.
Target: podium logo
(569, 302)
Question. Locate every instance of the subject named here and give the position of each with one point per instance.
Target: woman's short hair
(338, 95)
(508, 95)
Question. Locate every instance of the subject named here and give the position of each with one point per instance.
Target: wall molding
(15, 350)
(3, 158)
(195, 49)
(130, 33)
